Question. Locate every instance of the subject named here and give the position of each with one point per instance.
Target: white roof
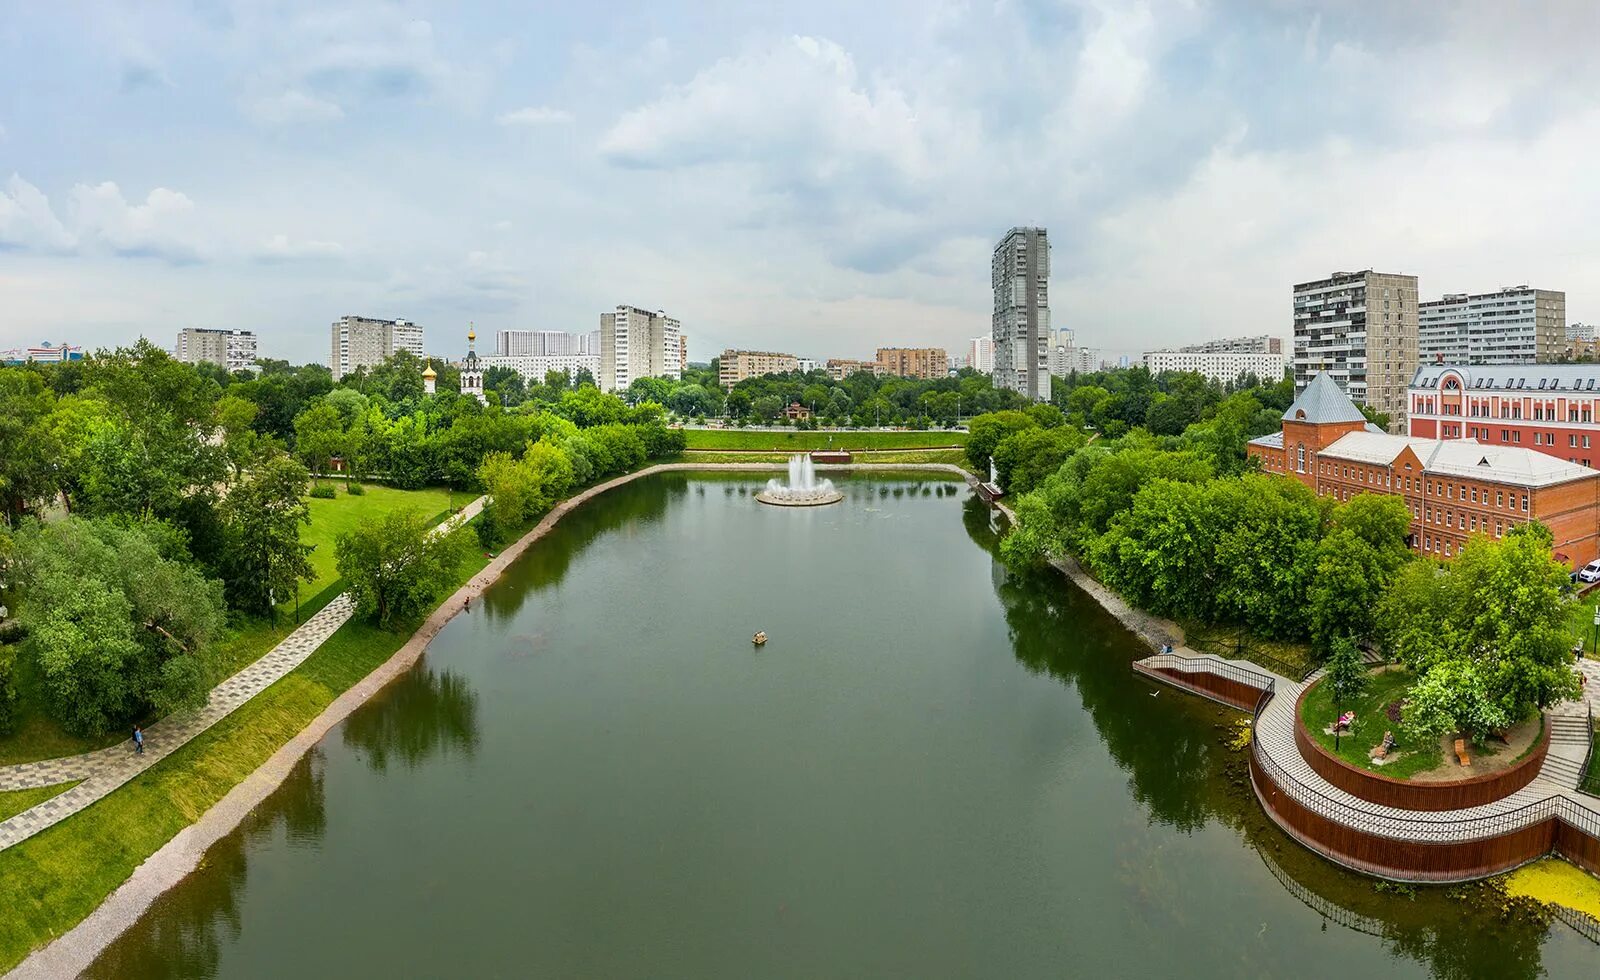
(1529, 378)
(1460, 458)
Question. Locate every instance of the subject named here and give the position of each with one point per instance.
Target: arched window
(1302, 449)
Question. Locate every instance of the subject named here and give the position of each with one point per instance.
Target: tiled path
(105, 770)
(1552, 793)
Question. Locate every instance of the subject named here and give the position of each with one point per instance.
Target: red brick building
(1550, 408)
(1454, 488)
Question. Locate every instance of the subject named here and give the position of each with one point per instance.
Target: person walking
(138, 740)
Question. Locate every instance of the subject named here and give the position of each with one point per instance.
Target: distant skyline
(822, 178)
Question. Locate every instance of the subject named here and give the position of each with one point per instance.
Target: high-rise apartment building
(360, 341)
(546, 343)
(232, 350)
(980, 354)
(1360, 328)
(637, 343)
(1020, 274)
(1515, 325)
(1264, 344)
(913, 362)
(736, 365)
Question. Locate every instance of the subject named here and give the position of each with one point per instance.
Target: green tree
(319, 436)
(264, 512)
(396, 566)
(28, 453)
(985, 432)
(1025, 458)
(1347, 673)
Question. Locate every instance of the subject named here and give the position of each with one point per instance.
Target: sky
(822, 177)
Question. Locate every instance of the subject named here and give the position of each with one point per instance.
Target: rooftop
(1461, 458)
(1323, 401)
(1507, 377)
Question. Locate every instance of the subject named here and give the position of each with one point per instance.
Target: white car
(1590, 572)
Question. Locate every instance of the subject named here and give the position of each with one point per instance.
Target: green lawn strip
(52, 880)
(954, 456)
(1591, 779)
(792, 440)
(18, 800)
(37, 736)
(1318, 712)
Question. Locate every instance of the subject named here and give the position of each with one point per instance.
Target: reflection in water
(423, 713)
(185, 930)
(1188, 780)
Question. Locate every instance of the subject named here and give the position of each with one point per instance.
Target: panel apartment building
(1515, 325)
(913, 362)
(1262, 344)
(637, 343)
(1020, 326)
(736, 365)
(1360, 328)
(546, 343)
(360, 341)
(1219, 365)
(1454, 488)
(232, 350)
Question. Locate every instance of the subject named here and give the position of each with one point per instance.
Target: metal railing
(1588, 780)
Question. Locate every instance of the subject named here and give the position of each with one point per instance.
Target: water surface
(933, 769)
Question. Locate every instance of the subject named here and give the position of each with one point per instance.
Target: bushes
(354, 488)
(8, 690)
(324, 491)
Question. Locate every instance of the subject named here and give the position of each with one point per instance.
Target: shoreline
(74, 950)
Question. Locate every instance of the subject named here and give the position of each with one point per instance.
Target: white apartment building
(637, 343)
(1515, 325)
(1580, 331)
(232, 350)
(359, 341)
(980, 354)
(1066, 359)
(546, 343)
(1220, 366)
(533, 367)
(1263, 344)
(1360, 328)
(1020, 326)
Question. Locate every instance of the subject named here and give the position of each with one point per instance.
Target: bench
(1461, 752)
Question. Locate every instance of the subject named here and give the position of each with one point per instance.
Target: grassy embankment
(789, 440)
(51, 881)
(956, 456)
(37, 736)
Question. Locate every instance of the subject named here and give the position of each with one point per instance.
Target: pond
(934, 768)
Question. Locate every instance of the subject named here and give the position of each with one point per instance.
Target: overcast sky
(818, 177)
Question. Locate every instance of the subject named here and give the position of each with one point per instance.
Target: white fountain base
(814, 498)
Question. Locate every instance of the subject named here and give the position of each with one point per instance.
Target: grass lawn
(18, 800)
(1318, 712)
(791, 440)
(1591, 779)
(51, 881)
(37, 736)
(955, 456)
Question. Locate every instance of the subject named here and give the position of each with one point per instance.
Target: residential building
(980, 354)
(736, 365)
(637, 343)
(533, 367)
(360, 341)
(683, 354)
(1020, 328)
(1580, 331)
(45, 353)
(1454, 488)
(546, 343)
(1550, 408)
(807, 364)
(1066, 359)
(1515, 325)
(840, 368)
(1360, 328)
(232, 350)
(1579, 349)
(1263, 344)
(913, 362)
(1223, 366)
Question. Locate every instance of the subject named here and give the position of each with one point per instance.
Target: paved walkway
(1552, 793)
(106, 769)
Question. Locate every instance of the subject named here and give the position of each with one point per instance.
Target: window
(1499, 498)
(1474, 494)
(1302, 448)
(1572, 442)
(1497, 529)
(1524, 503)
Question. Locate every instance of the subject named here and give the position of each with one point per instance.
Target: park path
(106, 769)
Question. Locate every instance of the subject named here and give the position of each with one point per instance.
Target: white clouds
(101, 220)
(534, 115)
(291, 107)
(281, 248)
(28, 222)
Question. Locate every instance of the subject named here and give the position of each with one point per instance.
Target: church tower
(471, 371)
(429, 378)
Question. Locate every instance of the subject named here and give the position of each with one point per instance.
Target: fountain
(802, 490)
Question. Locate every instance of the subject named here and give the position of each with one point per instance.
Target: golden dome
(472, 334)
(429, 372)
